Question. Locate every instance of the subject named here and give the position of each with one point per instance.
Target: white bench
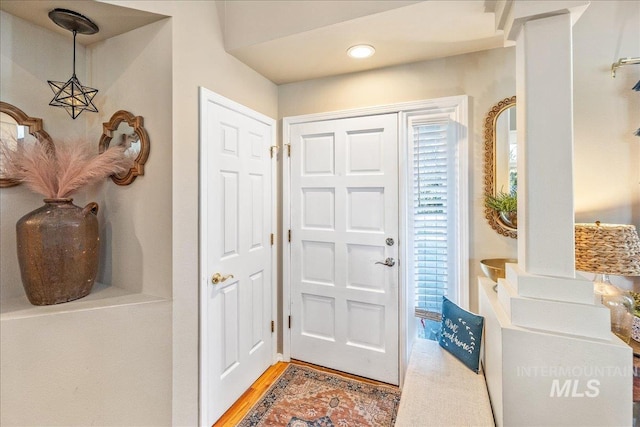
(440, 391)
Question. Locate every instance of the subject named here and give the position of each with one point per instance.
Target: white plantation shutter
(432, 209)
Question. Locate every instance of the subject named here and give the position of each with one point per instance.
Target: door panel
(344, 205)
(236, 227)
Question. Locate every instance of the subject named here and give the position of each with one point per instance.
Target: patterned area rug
(306, 397)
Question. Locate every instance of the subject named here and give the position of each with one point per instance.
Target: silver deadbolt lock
(389, 241)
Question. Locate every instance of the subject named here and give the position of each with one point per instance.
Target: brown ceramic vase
(58, 247)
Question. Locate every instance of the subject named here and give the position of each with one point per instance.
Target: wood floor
(250, 397)
(239, 409)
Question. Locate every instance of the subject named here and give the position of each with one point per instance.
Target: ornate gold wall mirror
(18, 129)
(500, 160)
(126, 129)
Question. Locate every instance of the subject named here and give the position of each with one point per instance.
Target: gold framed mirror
(18, 128)
(500, 163)
(126, 129)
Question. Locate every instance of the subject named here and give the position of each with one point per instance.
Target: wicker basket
(635, 328)
(607, 249)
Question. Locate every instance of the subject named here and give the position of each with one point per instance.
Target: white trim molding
(456, 108)
(206, 96)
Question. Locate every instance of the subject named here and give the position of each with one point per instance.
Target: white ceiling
(111, 20)
(288, 41)
(294, 40)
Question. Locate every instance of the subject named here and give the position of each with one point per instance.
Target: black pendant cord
(74, 52)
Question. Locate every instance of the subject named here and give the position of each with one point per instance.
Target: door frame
(458, 106)
(206, 96)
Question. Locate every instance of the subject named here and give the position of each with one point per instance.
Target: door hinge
(289, 322)
(271, 239)
(272, 149)
(289, 235)
(273, 326)
(289, 150)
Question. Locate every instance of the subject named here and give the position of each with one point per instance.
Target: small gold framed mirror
(18, 129)
(500, 163)
(128, 130)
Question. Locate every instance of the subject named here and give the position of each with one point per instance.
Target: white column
(549, 355)
(545, 146)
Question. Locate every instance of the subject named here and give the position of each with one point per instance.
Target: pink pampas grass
(59, 171)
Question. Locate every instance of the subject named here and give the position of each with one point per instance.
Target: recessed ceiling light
(361, 51)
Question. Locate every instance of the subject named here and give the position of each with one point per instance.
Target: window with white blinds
(432, 209)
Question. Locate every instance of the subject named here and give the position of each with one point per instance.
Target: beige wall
(119, 68)
(606, 114)
(154, 222)
(101, 367)
(160, 211)
(486, 76)
(199, 59)
(24, 48)
(607, 155)
(93, 356)
(135, 220)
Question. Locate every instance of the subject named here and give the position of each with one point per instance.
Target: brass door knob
(219, 278)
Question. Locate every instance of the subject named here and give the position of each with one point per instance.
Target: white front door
(236, 251)
(344, 225)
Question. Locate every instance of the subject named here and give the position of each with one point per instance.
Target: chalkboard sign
(461, 334)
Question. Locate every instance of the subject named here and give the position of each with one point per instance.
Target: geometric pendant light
(72, 95)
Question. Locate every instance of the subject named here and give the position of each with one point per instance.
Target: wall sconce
(72, 95)
(621, 63)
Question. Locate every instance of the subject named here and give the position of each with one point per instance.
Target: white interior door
(236, 251)
(344, 225)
